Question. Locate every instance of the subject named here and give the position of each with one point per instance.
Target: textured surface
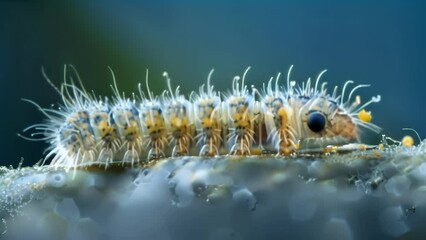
(361, 195)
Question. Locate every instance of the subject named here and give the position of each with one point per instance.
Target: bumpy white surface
(354, 196)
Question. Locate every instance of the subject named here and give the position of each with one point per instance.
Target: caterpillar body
(284, 120)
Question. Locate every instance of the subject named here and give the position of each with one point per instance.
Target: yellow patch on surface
(256, 151)
(407, 141)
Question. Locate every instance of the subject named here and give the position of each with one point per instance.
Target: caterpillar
(285, 120)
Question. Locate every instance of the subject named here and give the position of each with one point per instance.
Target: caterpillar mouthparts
(295, 119)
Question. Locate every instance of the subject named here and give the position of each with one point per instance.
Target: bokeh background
(381, 43)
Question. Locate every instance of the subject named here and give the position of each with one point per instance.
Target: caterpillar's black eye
(316, 121)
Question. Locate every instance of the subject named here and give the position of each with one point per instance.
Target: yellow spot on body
(283, 115)
(132, 128)
(364, 116)
(381, 147)
(362, 147)
(105, 129)
(407, 141)
(206, 122)
(241, 119)
(179, 123)
(154, 125)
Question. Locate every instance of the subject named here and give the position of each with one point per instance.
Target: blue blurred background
(381, 43)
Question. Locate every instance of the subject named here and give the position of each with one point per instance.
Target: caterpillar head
(327, 121)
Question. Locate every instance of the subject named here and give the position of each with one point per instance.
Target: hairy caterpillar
(285, 120)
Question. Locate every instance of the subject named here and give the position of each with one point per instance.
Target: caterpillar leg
(241, 147)
(210, 148)
(286, 145)
(157, 149)
(106, 156)
(131, 156)
(181, 147)
(243, 139)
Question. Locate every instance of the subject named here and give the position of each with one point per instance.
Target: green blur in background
(379, 43)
